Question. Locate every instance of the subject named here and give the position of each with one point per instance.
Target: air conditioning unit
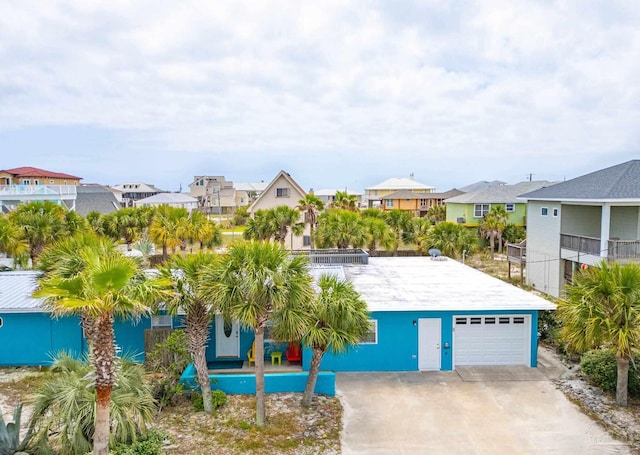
(461, 220)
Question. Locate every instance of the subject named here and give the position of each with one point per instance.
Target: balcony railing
(517, 252)
(47, 191)
(335, 256)
(588, 245)
(616, 249)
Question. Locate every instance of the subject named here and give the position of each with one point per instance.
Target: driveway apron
(439, 413)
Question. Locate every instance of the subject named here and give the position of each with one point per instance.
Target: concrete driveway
(440, 413)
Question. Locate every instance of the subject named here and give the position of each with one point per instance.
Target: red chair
(294, 353)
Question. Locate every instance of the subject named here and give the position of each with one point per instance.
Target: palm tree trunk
(492, 244)
(623, 381)
(311, 242)
(103, 405)
(164, 252)
(103, 353)
(197, 322)
(313, 377)
(260, 399)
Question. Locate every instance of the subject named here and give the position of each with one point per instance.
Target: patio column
(605, 223)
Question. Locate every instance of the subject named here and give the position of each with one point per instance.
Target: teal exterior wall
(397, 347)
(273, 382)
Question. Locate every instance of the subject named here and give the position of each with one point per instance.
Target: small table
(276, 356)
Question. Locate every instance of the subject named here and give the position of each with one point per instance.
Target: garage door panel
(491, 340)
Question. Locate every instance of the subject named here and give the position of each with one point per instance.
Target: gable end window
(544, 211)
(282, 192)
(372, 336)
(480, 210)
(509, 208)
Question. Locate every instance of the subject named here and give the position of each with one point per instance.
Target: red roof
(29, 171)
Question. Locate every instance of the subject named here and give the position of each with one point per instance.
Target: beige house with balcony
(215, 194)
(581, 222)
(375, 194)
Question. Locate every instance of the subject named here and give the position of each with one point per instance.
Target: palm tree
(284, 218)
(345, 201)
(204, 231)
(500, 213)
(450, 238)
(491, 228)
(399, 221)
(95, 220)
(259, 227)
(11, 241)
(416, 231)
(602, 308)
(340, 229)
(377, 233)
(40, 223)
(98, 283)
(64, 407)
(164, 227)
(127, 223)
(257, 282)
(338, 318)
(187, 277)
(437, 213)
(310, 205)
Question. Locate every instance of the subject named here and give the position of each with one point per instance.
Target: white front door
(227, 337)
(429, 337)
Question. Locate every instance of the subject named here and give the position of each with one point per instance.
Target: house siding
(583, 220)
(624, 223)
(397, 346)
(543, 247)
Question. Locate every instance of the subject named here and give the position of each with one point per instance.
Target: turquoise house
(438, 314)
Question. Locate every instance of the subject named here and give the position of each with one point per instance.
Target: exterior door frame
(230, 345)
(429, 344)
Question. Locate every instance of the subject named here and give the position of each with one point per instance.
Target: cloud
(428, 87)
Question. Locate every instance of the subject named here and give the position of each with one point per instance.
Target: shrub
(218, 397)
(149, 444)
(600, 368)
(64, 407)
(165, 382)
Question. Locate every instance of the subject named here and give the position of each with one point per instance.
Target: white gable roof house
(374, 194)
(283, 190)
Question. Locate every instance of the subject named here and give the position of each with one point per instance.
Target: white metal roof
(15, 292)
(168, 198)
(400, 183)
(424, 284)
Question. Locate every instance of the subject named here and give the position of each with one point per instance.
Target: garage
(492, 339)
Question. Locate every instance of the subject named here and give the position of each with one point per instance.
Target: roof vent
(434, 252)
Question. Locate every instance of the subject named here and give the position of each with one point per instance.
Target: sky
(340, 94)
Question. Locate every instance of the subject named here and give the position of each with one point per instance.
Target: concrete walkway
(439, 413)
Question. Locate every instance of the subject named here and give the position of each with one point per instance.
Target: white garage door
(491, 340)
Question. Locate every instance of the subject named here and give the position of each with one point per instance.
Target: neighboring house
(418, 204)
(217, 195)
(481, 185)
(580, 222)
(328, 196)
(178, 200)
(24, 184)
(437, 314)
(132, 192)
(375, 194)
(95, 198)
(283, 190)
(470, 208)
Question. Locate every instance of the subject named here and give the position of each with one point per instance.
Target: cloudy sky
(337, 93)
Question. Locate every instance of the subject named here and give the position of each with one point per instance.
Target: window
(268, 337)
(36, 182)
(372, 336)
(388, 202)
(461, 321)
(489, 320)
(423, 202)
(509, 208)
(1, 322)
(544, 211)
(555, 212)
(282, 192)
(26, 182)
(518, 320)
(476, 320)
(480, 210)
(306, 240)
(161, 321)
(504, 320)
